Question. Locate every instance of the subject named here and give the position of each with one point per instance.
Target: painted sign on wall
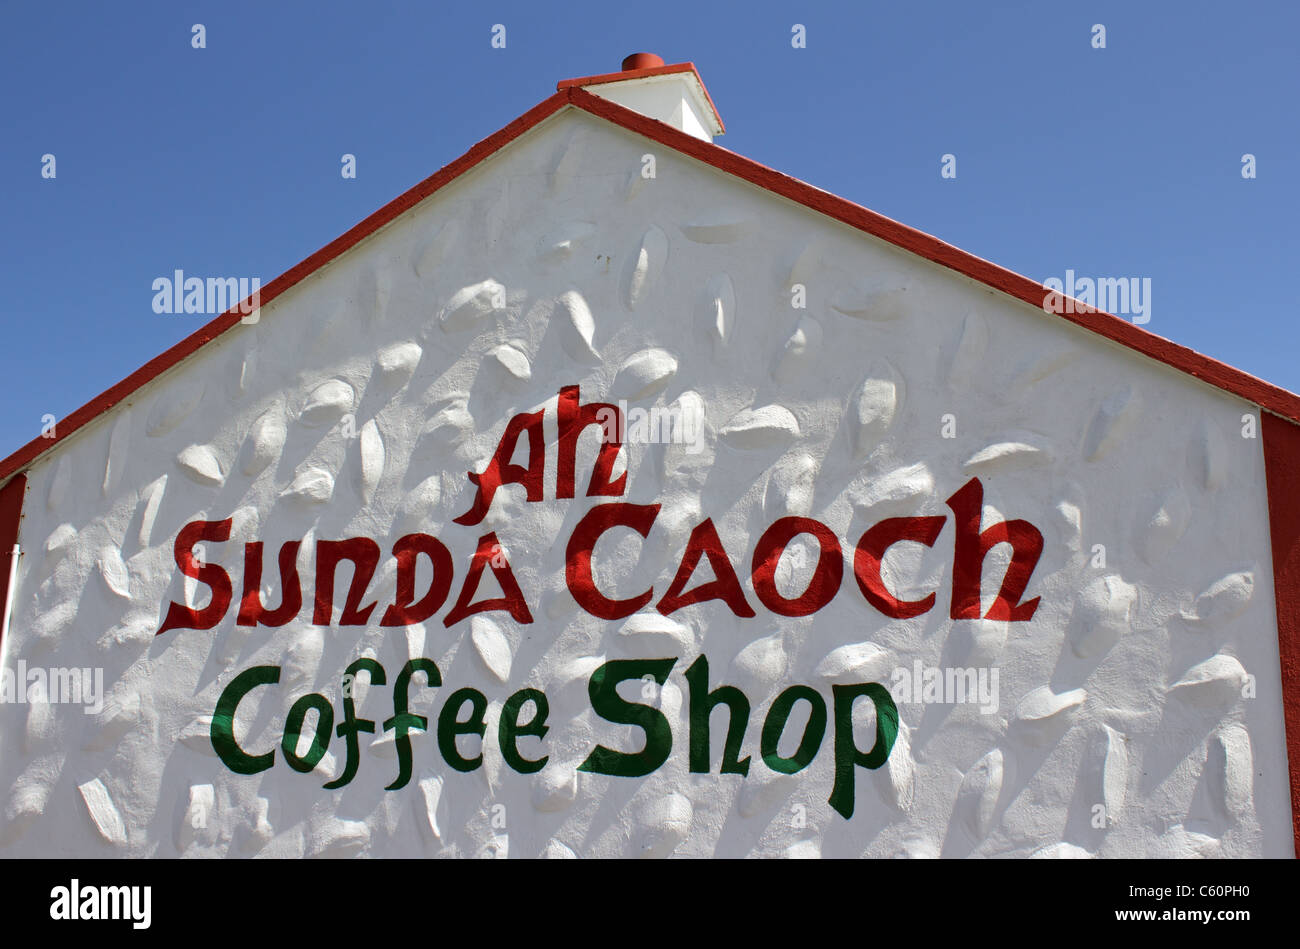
(575, 512)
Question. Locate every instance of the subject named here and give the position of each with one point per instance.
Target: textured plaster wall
(1124, 690)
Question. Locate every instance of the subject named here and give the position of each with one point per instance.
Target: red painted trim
(1282, 471)
(644, 74)
(1218, 374)
(1234, 381)
(626, 74)
(11, 513)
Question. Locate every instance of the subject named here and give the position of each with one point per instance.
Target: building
(608, 427)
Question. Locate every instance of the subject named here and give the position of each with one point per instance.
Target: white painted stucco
(1115, 450)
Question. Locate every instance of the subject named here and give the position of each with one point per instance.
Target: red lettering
(871, 550)
(704, 541)
(500, 470)
(490, 553)
(573, 420)
(407, 550)
(252, 611)
(364, 554)
(826, 577)
(180, 616)
(577, 557)
(972, 546)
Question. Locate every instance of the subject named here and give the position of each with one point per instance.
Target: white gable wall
(1007, 374)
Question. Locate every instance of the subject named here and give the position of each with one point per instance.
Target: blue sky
(225, 161)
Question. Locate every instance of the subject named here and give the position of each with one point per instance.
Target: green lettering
(223, 721)
(703, 702)
(293, 730)
(509, 729)
(449, 726)
(403, 720)
(602, 688)
(774, 725)
(351, 726)
(847, 755)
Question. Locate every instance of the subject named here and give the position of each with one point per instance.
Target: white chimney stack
(674, 95)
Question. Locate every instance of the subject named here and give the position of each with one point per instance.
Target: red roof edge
(1282, 473)
(643, 74)
(1264, 394)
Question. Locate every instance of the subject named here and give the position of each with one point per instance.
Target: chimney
(674, 95)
